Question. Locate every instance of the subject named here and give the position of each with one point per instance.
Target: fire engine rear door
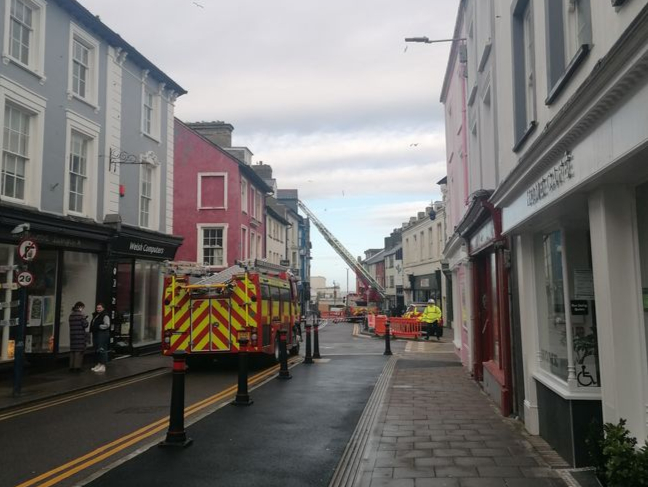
(210, 329)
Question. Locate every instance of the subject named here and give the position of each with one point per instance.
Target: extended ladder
(342, 252)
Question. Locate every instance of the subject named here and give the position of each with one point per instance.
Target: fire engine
(209, 317)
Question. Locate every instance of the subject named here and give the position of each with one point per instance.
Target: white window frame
(245, 242)
(156, 111)
(150, 161)
(92, 82)
(244, 196)
(35, 105)
(90, 130)
(146, 170)
(200, 228)
(253, 248)
(200, 177)
(36, 62)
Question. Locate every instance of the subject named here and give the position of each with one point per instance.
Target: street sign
(27, 250)
(25, 278)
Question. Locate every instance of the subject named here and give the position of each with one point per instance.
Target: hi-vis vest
(210, 318)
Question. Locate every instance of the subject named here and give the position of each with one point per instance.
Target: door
(210, 325)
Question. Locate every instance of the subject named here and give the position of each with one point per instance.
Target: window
(21, 31)
(212, 245)
(244, 243)
(524, 75)
(21, 144)
(212, 191)
(146, 195)
(259, 200)
(24, 41)
(150, 111)
(569, 36)
(244, 196)
(80, 184)
(15, 152)
(391, 281)
(78, 172)
(80, 67)
(83, 82)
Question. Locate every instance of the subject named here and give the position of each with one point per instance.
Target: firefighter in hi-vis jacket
(431, 317)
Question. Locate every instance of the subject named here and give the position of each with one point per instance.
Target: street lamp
(426, 40)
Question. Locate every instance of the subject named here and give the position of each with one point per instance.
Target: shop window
(79, 284)
(9, 316)
(553, 328)
(147, 303)
(41, 301)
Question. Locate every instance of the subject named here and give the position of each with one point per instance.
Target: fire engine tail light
(254, 337)
(167, 339)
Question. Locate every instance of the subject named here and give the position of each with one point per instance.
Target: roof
(244, 168)
(275, 208)
(374, 259)
(92, 22)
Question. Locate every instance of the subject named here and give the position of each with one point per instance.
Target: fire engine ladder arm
(342, 251)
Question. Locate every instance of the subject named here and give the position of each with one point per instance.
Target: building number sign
(27, 250)
(25, 278)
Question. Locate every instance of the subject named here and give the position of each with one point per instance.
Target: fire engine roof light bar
(426, 40)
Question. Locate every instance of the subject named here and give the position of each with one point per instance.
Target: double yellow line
(106, 451)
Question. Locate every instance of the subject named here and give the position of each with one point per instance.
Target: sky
(326, 92)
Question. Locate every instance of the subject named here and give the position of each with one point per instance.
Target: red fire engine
(207, 318)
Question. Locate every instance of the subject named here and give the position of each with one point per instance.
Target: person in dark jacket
(100, 328)
(78, 327)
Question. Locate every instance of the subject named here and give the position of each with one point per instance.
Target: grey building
(86, 173)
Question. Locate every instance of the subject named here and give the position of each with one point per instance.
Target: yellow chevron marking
(184, 341)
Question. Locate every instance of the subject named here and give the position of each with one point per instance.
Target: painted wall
(193, 155)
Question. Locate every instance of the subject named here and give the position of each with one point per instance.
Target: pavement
(417, 420)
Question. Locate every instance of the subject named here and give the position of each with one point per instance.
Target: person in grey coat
(78, 328)
(100, 329)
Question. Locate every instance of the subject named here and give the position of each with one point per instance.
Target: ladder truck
(364, 276)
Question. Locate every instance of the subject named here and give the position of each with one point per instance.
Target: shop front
(65, 269)
(133, 285)
(489, 264)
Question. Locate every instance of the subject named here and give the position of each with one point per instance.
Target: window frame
(245, 242)
(525, 123)
(244, 196)
(565, 54)
(153, 132)
(200, 228)
(35, 105)
(91, 131)
(92, 83)
(146, 170)
(36, 62)
(200, 177)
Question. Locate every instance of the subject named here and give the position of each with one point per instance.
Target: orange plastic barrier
(336, 316)
(406, 327)
(399, 327)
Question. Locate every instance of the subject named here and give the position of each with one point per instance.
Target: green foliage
(617, 460)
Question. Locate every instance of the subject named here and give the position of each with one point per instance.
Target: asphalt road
(293, 434)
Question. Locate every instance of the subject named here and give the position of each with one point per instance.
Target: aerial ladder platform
(343, 252)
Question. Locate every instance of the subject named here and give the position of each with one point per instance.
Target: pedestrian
(100, 328)
(431, 316)
(78, 329)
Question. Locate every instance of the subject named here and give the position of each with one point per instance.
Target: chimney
(220, 133)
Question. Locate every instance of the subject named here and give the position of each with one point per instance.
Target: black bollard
(387, 338)
(284, 373)
(316, 353)
(176, 435)
(242, 396)
(308, 359)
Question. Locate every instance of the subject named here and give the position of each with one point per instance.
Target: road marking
(78, 395)
(106, 451)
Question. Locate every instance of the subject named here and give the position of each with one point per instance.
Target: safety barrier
(400, 327)
(335, 316)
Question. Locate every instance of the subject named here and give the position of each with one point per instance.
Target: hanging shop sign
(552, 180)
(482, 237)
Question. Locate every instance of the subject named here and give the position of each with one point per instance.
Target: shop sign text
(552, 181)
(145, 248)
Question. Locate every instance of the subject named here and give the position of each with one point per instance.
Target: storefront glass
(494, 308)
(41, 302)
(79, 284)
(147, 305)
(9, 315)
(553, 327)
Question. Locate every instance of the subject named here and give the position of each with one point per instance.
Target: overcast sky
(324, 91)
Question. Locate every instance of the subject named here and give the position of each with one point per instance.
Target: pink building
(219, 201)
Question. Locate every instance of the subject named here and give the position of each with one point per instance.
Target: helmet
(431, 301)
